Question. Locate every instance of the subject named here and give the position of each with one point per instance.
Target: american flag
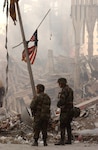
(34, 37)
(32, 51)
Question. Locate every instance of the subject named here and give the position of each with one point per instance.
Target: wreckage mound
(84, 128)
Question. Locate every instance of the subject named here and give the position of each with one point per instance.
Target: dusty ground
(78, 146)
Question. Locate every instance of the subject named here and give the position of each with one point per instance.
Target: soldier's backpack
(76, 112)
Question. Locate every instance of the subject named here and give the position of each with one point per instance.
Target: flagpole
(43, 19)
(26, 50)
(36, 28)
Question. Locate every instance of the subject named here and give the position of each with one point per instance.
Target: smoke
(51, 33)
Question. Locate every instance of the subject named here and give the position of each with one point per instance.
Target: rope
(17, 45)
(7, 56)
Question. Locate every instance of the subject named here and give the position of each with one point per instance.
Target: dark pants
(40, 125)
(65, 124)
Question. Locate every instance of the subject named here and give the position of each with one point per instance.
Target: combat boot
(60, 143)
(68, 142)
(35, 143)
(45, 143)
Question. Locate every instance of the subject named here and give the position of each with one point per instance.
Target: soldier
(2, 93)
(40, 108)
(65, 104)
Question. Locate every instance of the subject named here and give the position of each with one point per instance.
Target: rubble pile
(84, 128)
(87, 119)
(86, 125)
(14, 130)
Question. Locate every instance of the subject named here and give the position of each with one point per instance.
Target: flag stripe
(32, 38)
(33, 55)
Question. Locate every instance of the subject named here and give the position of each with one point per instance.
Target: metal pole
(26, 50)
(43, 19)
(36, 28)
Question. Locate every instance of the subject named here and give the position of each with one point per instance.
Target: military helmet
(40, 87)
(62, 80)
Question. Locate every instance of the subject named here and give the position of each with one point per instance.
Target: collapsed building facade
(84, 15)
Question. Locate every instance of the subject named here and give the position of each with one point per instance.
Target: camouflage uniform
(40, 107)
(65, 103)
